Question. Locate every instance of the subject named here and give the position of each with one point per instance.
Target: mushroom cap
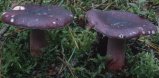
(37, 17)
(119, 24)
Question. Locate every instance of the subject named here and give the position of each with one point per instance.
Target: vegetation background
(70, 50)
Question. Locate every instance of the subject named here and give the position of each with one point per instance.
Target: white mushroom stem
(37, 42)
(115, 49)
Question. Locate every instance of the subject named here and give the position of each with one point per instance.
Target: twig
(63, 57)
(1, 46)
(72, 35)
(72, 55)
(152, 45)
(3, 31)
(67, 65)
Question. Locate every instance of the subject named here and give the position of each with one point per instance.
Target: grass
(145, 65)
(69, 52)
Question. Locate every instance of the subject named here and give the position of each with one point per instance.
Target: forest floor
(70, 50)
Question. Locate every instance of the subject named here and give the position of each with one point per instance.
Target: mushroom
(118, 26)
(38, 19)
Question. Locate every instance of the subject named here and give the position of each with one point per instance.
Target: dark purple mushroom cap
(119, 24)
(37, 17)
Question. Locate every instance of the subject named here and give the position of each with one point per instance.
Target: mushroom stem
(37, 42)
(115, 49)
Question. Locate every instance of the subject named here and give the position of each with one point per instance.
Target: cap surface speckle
(19, 8)
(37, 17)
(119, 24)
